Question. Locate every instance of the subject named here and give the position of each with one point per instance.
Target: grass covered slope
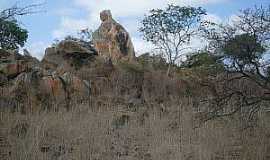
(160, 131)
(77, 105)
(134, 112)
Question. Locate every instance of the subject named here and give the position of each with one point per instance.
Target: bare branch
(14, 11)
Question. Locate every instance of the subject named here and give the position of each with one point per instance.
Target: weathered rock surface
(112, 40)
(31, 83)
(39, 89)
(70, 71)
(67, 56)
(12, 63)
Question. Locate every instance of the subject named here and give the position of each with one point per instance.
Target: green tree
(201, 59)
(244, 44)
(12, 36)
(243, 47)
(244, 52)
(171, 29)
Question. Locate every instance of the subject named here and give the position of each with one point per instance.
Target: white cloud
(130, 9)
(233, 19)
(69, 26)
(127, 12)
(141, 46)
(37, 49)
(134, 7)
(212, 18)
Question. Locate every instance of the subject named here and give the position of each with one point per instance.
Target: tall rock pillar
(112, 40)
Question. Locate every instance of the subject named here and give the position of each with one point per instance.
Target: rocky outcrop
(52, 82)
(112, 40)
(38, 89)
(12, 63)
(68, 55)
(70, 71)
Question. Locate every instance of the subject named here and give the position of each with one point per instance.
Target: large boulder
(12, 63)
(3, 79)
(67, 56)
(12, 69)
(76, 87)
(112, 40)
(37, 87)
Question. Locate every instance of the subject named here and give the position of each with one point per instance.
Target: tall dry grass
(119, 132)
(131, 115)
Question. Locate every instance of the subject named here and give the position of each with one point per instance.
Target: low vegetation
(75, 104)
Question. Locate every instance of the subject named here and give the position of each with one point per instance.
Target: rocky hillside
(98, 101)
(68, 72)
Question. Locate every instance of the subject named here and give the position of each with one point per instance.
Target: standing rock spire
(112, 40)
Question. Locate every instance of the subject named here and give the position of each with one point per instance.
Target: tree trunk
(168, 70)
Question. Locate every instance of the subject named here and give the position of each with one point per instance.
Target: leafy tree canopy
(244, 49)
(202, 59)
(12, 36)
(171, 29)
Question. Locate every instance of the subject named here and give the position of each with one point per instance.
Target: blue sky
(64, 17)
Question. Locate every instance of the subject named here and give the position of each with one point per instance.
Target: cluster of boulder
(59, 76)
(24, 77)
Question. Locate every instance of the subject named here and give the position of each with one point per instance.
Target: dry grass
(132, 115)
(118, 132)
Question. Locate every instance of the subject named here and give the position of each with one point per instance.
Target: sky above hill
(65, 17)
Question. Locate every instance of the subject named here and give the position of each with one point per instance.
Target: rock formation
(67, 56)
(12, 63)
(112, 40)
(69, 72)
(30, 82)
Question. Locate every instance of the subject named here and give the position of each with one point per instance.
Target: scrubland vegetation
(214, 106)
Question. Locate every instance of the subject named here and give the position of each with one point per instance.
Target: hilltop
(97, 100)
